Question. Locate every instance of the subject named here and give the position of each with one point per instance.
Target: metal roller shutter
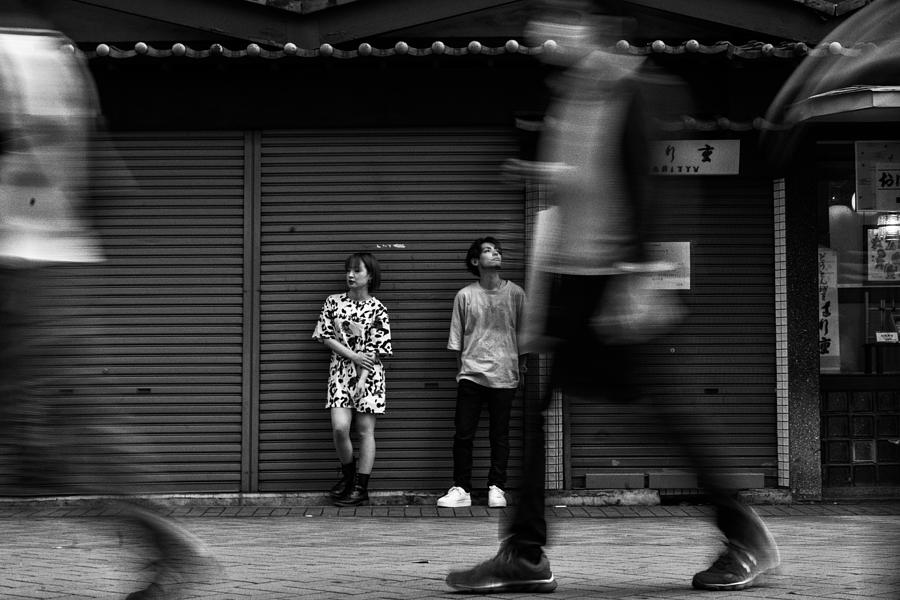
(148, 345)
(416, 199)
(718, 368)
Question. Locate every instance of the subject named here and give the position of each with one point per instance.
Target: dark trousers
(469, 399)
(583, 364)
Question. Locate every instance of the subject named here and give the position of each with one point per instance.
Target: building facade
(246, 155)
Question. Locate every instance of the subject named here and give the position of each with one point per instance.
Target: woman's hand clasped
(359, 390)
(365, 361)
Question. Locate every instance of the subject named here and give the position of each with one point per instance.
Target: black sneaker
(506, 572)
(736, 569)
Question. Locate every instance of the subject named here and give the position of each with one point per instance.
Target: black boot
(345, 485)
(359, 495)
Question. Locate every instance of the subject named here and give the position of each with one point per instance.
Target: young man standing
(483, 332)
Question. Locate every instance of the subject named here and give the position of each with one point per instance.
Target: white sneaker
(496, 497)
(455, 497)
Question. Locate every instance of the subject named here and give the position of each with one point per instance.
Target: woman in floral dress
(354, 325)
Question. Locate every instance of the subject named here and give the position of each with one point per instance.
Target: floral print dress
(363, 327)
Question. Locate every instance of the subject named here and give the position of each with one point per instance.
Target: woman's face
(358, 276)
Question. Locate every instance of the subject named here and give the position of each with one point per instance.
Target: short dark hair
(371, 264)
(475, 252)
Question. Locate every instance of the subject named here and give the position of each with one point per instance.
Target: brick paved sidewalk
(253, 507)
(404, 553)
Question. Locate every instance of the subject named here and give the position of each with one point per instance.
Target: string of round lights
(750, 50)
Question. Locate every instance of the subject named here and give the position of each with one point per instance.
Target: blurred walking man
(47, 109)
(590, 256)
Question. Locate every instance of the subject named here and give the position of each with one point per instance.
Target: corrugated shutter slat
(148, 345)
(416, 199)
(718, 368)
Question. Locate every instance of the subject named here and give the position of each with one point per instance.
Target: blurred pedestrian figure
(48, 109)
(354, 325)
(483, 333)
(588, 298)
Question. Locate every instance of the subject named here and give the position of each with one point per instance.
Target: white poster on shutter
(827, 297)
(679, 255)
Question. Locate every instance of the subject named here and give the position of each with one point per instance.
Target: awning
(856, 104)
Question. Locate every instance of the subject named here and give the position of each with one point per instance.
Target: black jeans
(586, 365)
(469, 398)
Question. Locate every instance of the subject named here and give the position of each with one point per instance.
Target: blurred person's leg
(39, 438)
(71, 451)
(574, 369)
(687, 433)
(584, 365)
(521, 565)
(750, 548)
(527, 532)
(21, 420)
(181, 562)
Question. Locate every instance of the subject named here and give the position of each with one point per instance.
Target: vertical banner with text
(829, 329)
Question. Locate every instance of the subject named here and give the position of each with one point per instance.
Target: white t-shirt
(484, 329)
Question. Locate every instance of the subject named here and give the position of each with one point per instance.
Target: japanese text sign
(695, 157)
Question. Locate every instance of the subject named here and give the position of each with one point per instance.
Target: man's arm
(457, 324)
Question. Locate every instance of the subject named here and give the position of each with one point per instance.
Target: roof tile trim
(750, 50)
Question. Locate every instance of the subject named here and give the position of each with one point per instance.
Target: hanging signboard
(878, 176)
(827, 299)
(695, 157)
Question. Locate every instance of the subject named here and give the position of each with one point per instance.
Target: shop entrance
(859, 311)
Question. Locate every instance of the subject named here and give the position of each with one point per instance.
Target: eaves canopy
(310, 23)
(856, 104)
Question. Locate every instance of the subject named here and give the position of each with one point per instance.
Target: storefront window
(859, 256)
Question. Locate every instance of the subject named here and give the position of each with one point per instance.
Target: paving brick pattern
(403, 553)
